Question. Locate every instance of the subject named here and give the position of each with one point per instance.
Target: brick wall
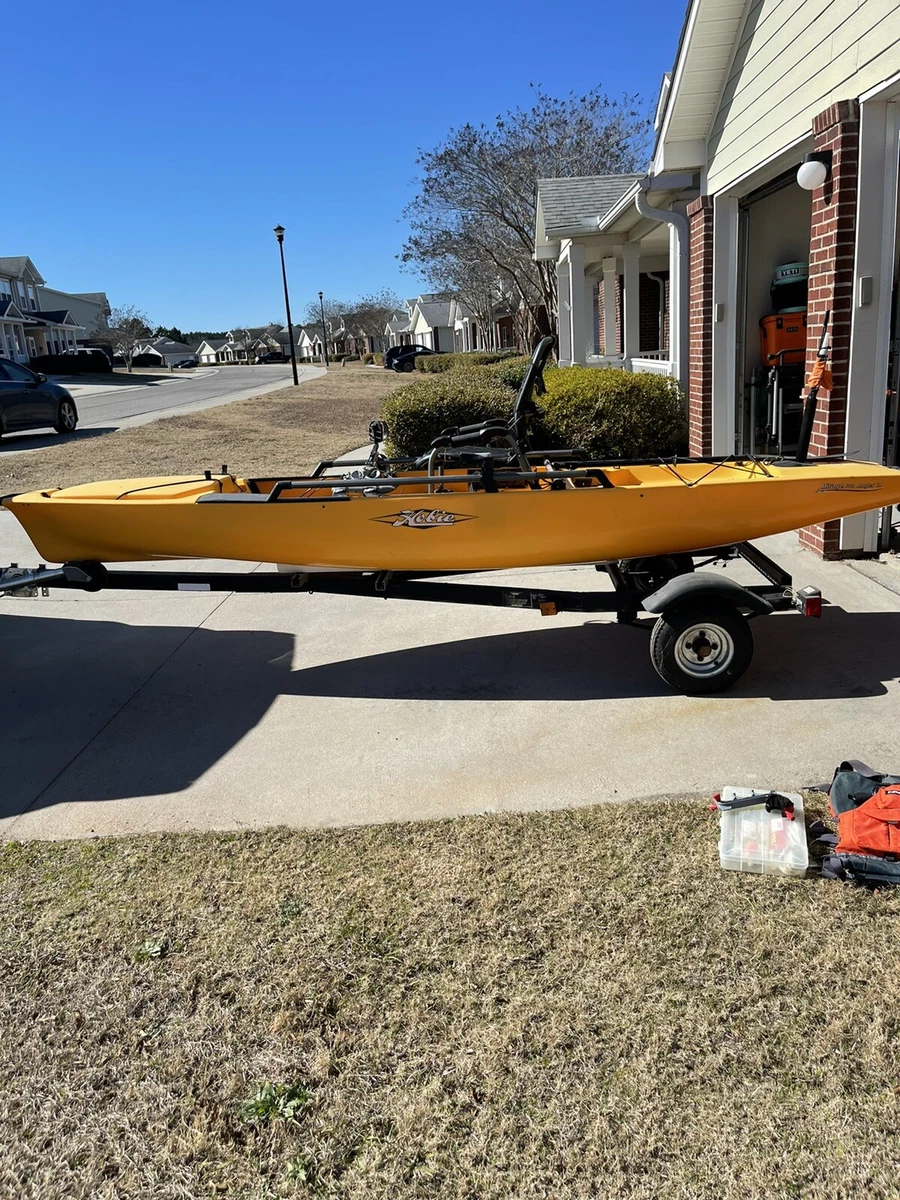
(700, 322)
(831, 252)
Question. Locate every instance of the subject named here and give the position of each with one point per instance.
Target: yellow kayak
(462, 522)
(479, 499)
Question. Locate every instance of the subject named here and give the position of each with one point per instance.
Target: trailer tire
(701, 647)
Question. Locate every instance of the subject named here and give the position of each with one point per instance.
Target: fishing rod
(819, 376)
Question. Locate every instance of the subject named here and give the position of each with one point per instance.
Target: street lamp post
(279, 234)
(324, 332)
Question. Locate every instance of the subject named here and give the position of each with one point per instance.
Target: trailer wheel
(701, 647)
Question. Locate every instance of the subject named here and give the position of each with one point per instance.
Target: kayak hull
(649, 510)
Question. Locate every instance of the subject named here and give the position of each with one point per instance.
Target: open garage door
(774, 254)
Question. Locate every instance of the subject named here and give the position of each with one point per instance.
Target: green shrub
(379, 359)
(439, 364)
(417, 413)
(612, 413)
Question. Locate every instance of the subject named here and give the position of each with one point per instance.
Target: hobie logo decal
(422, 518)
(850, 487)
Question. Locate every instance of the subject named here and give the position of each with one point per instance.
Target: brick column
(700, 220)
(831, 261)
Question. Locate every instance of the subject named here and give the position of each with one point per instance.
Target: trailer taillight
(809, 601)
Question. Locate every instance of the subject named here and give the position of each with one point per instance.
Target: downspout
(680, 285)
(660, 343)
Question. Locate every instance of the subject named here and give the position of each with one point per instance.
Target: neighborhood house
(36, 320)
(771, 200)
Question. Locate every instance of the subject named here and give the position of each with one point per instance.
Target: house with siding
(757, 89)
(430, 322)
(777, 158)
(36, 320)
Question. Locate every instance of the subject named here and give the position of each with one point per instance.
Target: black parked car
(407, 361)
(391, 355)
(29, 401)
(271, 357)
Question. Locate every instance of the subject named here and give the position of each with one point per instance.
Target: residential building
(36, 320)
(757, 88)
(229, 349)
(613, 269)
(430, 321)
(777, 161)
(163, 351)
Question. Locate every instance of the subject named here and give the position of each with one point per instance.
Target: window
(32, 302)
(5, 289)
(18, 373)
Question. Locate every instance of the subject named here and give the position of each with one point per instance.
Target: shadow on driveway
(82, 693)
(97, 710)
(842, 655)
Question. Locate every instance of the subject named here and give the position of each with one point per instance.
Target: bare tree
(371, 313)
(477, 190)
(128, 326)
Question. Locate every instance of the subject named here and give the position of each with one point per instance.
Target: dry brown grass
(560, 1005)
(284, 431)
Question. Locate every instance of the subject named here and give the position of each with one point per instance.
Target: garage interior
(774, 246)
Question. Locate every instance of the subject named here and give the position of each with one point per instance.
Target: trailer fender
(703, 586)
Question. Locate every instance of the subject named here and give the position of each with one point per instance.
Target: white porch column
(590, 283)
(579, 317)
(725, 330)
(610, 283)
(565, 313)
(631, 304)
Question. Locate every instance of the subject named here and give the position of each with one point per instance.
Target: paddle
(819, 376)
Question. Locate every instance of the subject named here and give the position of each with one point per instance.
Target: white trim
(883, 90)
(677, 76)
(870, 333)
(724, 330)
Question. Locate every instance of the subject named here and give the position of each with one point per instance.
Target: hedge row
(439, 364)
(608, 412)
(417, 413)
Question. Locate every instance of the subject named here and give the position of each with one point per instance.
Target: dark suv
(395, 352)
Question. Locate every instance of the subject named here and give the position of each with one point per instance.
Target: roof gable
(18, 266)
(574, 204)
(708, 41)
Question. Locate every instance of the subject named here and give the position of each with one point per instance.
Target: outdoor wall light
(814, 170)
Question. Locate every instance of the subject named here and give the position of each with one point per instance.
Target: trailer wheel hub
(704, 650)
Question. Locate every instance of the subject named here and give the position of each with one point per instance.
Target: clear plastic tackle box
(766, 843)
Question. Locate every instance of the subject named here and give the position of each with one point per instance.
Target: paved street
(127, 712)
(122, 402)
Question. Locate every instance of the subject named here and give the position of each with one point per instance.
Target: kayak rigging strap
(735, 464)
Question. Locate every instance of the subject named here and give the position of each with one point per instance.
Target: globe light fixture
(814, 170)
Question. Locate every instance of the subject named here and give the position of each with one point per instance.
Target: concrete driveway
(127, 712)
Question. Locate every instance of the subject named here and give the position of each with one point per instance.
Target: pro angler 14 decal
(850, 487)
(423, 518)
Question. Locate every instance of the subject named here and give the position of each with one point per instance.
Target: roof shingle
(567, 204)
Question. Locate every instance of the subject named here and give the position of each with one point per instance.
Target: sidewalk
(170, 711)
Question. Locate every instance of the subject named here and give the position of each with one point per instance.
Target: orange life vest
(873, 827)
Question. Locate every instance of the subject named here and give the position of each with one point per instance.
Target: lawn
(556, 1005)
(287, 431)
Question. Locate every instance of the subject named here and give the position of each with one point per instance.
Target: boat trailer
(700, 642)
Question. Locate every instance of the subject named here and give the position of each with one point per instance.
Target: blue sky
(158, 145)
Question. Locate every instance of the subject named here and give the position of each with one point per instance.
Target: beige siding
(793, 60)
